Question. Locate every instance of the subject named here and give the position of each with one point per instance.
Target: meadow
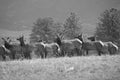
(105, 67)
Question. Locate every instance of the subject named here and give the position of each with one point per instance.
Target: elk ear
(81, 34)
(22, 36)
(39, 40)
(17, 38)
(3, 39)
(8, 38)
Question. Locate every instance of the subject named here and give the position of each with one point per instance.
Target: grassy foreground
(75, 68)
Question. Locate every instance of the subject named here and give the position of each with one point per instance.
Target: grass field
(74, 68)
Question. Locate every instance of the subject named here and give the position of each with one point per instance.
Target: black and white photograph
(59, 39)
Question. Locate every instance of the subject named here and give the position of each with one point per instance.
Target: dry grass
(75, 68)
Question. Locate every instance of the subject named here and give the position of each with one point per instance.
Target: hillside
(14, 34)
(86, 29)
(75, 68)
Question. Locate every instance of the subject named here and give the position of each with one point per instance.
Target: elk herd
(58, 48)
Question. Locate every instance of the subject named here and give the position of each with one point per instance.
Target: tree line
(46, 28)
(107, 28)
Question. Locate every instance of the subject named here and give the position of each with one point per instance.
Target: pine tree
(108, 28)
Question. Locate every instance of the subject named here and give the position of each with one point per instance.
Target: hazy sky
(20, 14)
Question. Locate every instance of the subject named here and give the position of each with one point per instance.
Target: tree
(72, 26)
(44, 29)
(108, 28)
(58, 29)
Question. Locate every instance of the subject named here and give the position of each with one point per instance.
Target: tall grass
(74, 68)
